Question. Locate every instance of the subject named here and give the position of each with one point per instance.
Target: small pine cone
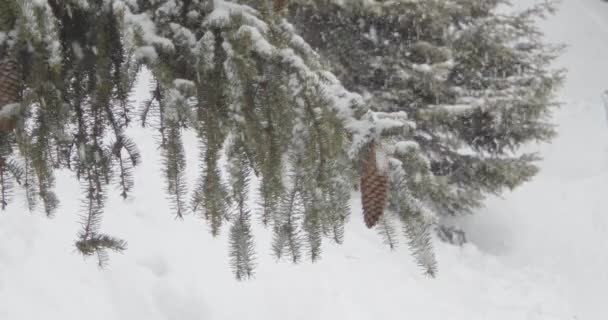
(279, 5)
(374, 189)
(10, 84)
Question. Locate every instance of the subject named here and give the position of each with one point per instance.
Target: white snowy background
(538, 253)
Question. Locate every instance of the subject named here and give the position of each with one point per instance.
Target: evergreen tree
(471, 84)
(240, 76)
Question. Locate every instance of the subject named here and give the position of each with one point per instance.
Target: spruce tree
(470, 81)
(429, 130)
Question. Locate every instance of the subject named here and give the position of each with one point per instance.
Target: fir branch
(242, 252)
(147, 105)
(40, 157)
(29, 184)
(418, 233)
(242, 246)
(211, 198)
(287, 240)
(6, 185)
(312, 225)
(387, 231)
(90, 241)
(417, 222)
(175, 162)
(99, 244)
(126, 166)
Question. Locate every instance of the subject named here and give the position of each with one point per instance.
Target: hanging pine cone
(9, 90)
(374, 188)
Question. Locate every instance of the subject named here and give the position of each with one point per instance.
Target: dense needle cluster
(447, 90)
(470, 81)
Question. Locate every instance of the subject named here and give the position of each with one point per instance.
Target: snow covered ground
(538, 253)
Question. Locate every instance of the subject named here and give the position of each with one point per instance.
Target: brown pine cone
(374, 188)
